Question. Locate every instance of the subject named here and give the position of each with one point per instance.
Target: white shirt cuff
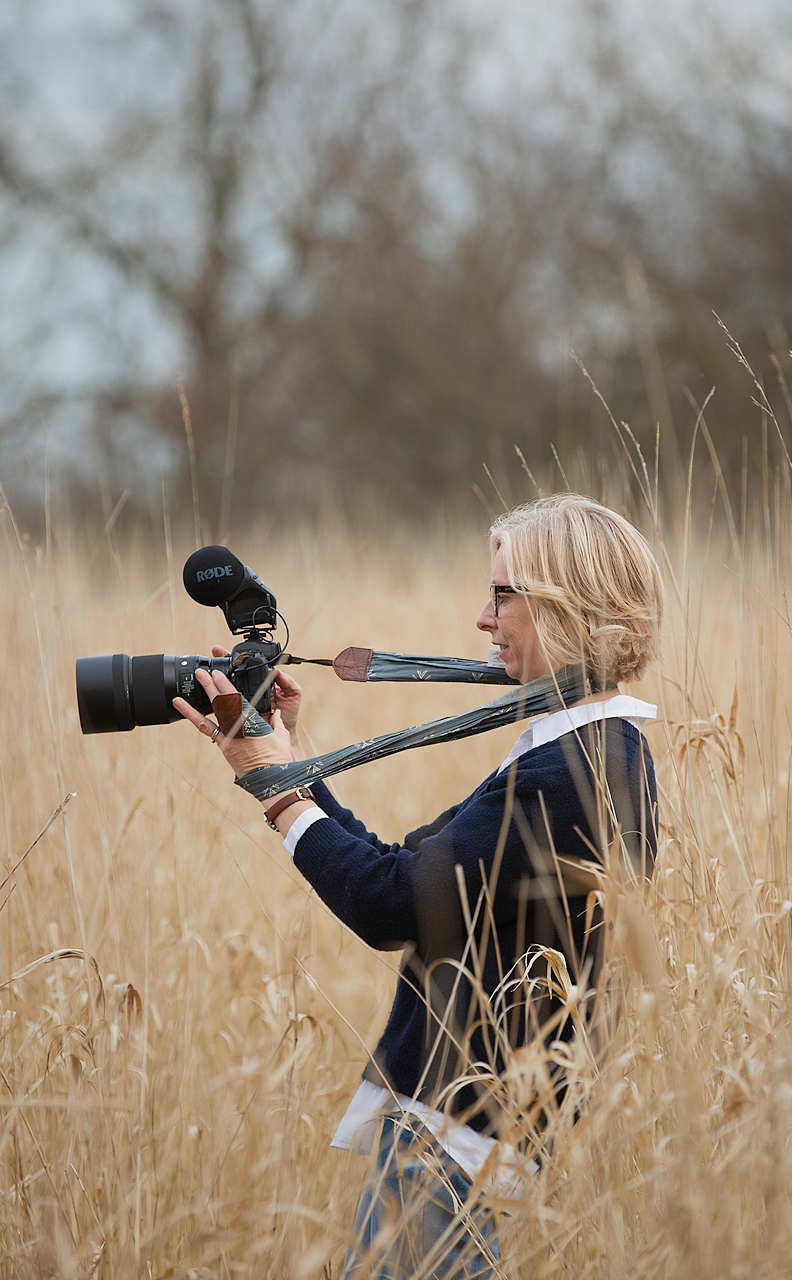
(300, 826)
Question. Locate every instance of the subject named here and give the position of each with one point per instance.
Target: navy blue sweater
(407, 895)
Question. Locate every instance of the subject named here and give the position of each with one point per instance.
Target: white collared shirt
(555, 724)
(465, 1145)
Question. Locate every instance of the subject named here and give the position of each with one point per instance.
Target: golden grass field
(182, 1020)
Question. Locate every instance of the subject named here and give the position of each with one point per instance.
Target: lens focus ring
(149, 698)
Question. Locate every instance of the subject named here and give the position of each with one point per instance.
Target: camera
(116, 693)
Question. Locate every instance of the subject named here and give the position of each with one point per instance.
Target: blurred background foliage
(369, 237)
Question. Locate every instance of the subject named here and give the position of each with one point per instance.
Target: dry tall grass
(183, 1022)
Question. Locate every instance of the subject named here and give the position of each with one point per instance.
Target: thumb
(276, 720)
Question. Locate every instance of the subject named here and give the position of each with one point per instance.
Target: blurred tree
(369, 269)
(687, 216)
(214, 189)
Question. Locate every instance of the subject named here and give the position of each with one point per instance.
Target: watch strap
(285, 802)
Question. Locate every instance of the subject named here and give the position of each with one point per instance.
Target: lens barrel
(115, 692)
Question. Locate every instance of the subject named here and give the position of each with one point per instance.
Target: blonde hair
(591, 581)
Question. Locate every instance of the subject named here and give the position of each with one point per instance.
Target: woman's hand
(288, 697)
(243, 754)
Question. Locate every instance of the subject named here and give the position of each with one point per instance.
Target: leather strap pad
(228, 710)
(353, 664)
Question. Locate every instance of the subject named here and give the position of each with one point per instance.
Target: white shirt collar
(549, 727)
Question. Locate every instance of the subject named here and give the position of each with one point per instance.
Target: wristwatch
(291, 797)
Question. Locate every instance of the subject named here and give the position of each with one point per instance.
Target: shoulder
(616, 734)
(615, 740)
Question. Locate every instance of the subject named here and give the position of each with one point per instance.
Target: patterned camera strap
(369, 665)
(549, 693)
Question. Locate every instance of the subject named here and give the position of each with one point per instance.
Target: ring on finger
(216, 733)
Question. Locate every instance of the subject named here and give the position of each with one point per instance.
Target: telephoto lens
(116, 693)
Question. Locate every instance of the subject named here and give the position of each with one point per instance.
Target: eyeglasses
(497, 592)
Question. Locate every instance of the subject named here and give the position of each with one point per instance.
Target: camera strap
(370, 665)
(548, 693)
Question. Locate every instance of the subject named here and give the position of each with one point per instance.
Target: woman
(471, 896)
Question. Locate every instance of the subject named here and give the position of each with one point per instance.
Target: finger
(201, 723)
(286, 682)
(189, 713)
(276, 721)
(219, 652)
(206, 682)
(214, 683)
(222, 683)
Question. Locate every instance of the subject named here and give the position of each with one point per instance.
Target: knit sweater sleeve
(410, 892)
(355, 828)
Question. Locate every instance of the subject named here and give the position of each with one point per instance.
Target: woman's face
(513, 631)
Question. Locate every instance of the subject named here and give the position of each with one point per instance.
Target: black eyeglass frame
(496, 591)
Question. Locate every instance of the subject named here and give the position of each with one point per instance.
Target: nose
(486, 620)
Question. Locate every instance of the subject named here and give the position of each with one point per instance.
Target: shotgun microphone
(212, 575)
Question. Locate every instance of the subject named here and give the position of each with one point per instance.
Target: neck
(604, 696)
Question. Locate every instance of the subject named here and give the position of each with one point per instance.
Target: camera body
(116, 693)
(247, 667)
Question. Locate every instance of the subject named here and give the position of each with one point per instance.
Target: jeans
(413, 1219)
